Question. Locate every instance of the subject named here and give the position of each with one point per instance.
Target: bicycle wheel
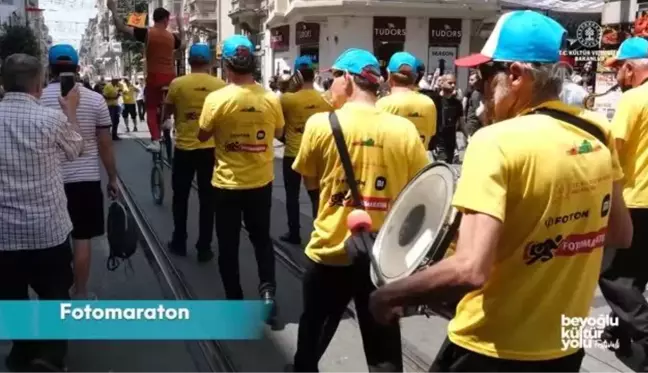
(157, 184)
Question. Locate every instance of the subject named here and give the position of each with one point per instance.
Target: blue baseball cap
(237, 45)
(630, 49)
(200, 51)
(303, 60)
(359, 62)
(400, 59)
(524, 36)
(63, 54)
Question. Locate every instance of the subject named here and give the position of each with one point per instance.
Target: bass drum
(420, 229)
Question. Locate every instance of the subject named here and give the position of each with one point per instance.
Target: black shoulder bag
(360, 243)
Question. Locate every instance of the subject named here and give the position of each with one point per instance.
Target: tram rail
(413, 360)
(213, 352)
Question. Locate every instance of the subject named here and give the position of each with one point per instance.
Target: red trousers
(154, 98)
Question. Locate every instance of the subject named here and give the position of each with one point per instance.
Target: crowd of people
(532, 158)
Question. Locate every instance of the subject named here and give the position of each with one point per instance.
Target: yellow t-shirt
(416, 107)
(243, 120)
(187, 94)
(128, 94)
(111, 94)
(630, 123)
(550, 183)
(297, 108)
(386, 153)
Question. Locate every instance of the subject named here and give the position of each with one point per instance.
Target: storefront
(389, 35)
(380, 27)
(280, 46)
(445, 35)
(307, 37)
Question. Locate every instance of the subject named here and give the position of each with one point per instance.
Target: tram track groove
(412, 359)
(213, 352)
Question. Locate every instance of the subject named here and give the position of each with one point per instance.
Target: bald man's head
(448, 82)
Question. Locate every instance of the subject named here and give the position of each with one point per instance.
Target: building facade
(12, 12)
(436, 32)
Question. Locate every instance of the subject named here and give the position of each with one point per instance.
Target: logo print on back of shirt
(381, 183)
(249, 109)
(368, 143)
(563, 246)
(605, 206)
(584, 148)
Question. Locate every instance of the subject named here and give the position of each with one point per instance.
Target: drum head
(416, 224)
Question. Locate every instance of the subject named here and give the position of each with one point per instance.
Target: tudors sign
(390, 29)
(307, 33)
(280, 38)
(445, 31)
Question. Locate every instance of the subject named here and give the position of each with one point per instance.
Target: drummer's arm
(465, 271)
(479, 233)
(306, 159)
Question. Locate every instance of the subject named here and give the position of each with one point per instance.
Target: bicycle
(157, 176)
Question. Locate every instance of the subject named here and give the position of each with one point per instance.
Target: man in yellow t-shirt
(242, 120)
(129, 93)
(111, 93)
(297, 108)
(540, 198)
(386, 153)
(624, 277)
(191, 157)
(404, 101)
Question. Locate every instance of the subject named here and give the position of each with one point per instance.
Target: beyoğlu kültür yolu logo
(584, 148)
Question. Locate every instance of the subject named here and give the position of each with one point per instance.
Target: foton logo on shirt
(568, 246)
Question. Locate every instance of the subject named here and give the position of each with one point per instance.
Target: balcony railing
(252, 7)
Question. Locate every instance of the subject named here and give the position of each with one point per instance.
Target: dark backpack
(122, 233)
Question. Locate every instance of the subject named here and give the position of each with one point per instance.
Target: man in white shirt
(34, 222)
(81, 176)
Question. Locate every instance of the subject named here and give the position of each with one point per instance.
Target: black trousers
(186, 165)
(49, 273)
(623, 281)
(113, 110)
(130, 110)
(326, 292)
(292, 183)
(253, 207)
(445, 143)
(141, 109)
(452, 358)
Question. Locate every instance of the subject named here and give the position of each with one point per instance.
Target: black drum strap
(574, 121)
(343, 151)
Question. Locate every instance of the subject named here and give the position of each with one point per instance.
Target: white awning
(562, 6)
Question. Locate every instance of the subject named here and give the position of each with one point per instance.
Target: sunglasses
(488, 70)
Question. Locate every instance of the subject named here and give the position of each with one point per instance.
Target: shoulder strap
(574, 121)
(345, 158)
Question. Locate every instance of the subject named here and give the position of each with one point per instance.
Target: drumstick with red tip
(358, 222)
